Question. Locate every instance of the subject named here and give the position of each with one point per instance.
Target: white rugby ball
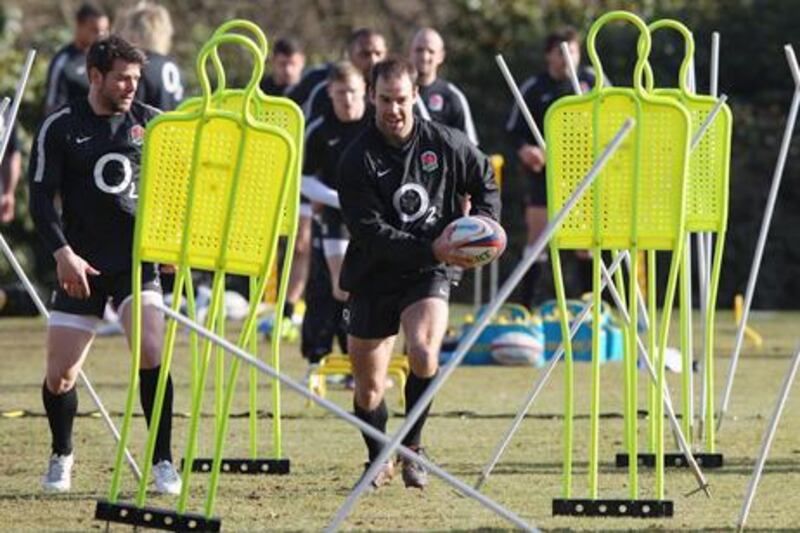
(517, 348)
(485, 238)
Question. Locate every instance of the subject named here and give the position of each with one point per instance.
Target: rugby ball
(517, 348)
(484, 238)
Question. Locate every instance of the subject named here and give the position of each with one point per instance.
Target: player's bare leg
(164, 472)
(370, 361)
(66, 350)
(424, 324)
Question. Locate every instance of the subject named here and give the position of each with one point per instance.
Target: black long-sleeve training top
(397, 200)
(92, 162)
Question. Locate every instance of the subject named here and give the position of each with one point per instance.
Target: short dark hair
(287, 46)
(565, 34)
(102, 54)
(393, 67)
(89, 10)
(362, 33)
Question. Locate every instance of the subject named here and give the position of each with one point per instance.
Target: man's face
(287, 69)
(556, 65)
(348, 98)
(117, 88)
(394, 102)
(366, 52)
(90, 30)
(427, 53)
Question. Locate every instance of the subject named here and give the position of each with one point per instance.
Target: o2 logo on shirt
(171, 79)
(411, 201)
(114, 165)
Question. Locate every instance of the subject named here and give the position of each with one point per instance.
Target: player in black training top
(444, 102)
(326, 139)
(286, 64)
(365, 47)
(66, 76)
(149, 26)
(539, 92)
(88, 153)
(400, 184)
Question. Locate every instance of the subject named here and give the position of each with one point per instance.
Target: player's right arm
(46, 172)
(55, 85)
(529, 153)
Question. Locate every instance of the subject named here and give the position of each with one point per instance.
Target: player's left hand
(448, 251)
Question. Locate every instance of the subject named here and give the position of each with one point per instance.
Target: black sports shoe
(383, 478)
(414, 474)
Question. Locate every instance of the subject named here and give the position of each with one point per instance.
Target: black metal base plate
(613, 508)
(244, 466)
(151, 517)
(675, 460)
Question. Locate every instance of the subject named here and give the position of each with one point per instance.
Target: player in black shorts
(88, 153)
(66, 75)
(539, 92)
(326, 138)
(400, 184)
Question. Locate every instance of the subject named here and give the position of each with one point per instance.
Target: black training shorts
(117, 287)
(377, 315)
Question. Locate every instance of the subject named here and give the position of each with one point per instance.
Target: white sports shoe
(59, 473)
(167, 479)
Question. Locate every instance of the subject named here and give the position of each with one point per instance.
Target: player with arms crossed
(88, 153)
(400, 184)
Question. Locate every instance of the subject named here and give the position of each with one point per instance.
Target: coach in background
(286, 64)
(539, 92)
(400, 184)
(88, 153)
(149, 27)
(444, 102)
(66, 76)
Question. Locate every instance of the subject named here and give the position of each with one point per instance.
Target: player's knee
(61, 383)
(423, 360)
(369, 394)
(151, 353)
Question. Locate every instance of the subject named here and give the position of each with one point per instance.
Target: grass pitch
(468, 418)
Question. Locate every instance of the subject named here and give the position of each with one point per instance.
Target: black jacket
(397, 200)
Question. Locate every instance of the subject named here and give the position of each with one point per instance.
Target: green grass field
(468, 417)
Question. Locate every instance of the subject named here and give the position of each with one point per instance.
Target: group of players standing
(390, 159)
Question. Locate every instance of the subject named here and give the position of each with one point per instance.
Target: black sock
(288, 310)
(415, 388)
(528, 286)
(61, 410)
(148, 380)
(376, 418)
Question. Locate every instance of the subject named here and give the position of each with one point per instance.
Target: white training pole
(483, 320)
(19, 91)
(84, 379)
(714, 75)
(477, 289)
(250, 359)
(762, 236)
(571, 70)
(494, 279)
(766, 443)
(526, 114)
(500, 449)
